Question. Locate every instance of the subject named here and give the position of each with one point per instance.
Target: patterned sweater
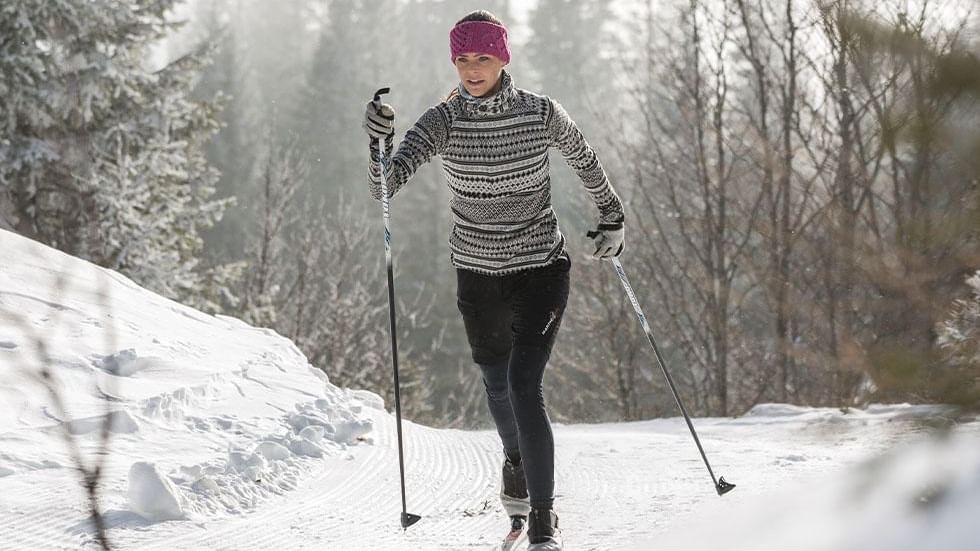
(494, 153)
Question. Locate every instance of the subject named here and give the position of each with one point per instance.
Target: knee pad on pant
(495, 379)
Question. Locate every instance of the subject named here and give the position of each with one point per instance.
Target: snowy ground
(225, 438)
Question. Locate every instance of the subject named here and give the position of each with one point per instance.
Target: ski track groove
(598, 482)
(350, 499)
(446, 475)
(242, 533)
(48, 531)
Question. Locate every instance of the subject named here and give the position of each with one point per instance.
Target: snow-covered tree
(959, 337)
(101, 155)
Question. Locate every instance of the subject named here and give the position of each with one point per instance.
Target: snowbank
(919, 496)
(207, 415)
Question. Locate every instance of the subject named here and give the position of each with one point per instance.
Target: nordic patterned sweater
(494, 153)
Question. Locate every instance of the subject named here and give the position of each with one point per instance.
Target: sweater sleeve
(425, 139)
(565, 135)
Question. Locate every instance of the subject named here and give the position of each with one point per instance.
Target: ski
(517, 524)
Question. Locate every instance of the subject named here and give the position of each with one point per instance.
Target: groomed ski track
(617, 484)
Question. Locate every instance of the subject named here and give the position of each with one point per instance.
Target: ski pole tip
(724, 487)
(409, 519)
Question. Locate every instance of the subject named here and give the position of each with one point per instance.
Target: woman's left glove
(609, 239)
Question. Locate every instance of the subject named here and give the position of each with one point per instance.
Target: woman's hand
(609, 239)
(379, 120)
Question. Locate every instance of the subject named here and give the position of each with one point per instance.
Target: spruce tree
(102, 155)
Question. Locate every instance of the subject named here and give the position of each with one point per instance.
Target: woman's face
(479, 73)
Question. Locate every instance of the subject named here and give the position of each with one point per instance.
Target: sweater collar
(490, 105)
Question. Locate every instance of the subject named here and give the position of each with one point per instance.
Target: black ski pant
(511, 324)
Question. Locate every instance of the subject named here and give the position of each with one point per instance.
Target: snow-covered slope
(211, 417)
(921, 496)
(224, 437)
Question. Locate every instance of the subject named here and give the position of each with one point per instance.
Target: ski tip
(409, 519)
(724, 487)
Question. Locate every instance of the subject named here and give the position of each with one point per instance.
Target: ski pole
(721, 486)
(407, 518)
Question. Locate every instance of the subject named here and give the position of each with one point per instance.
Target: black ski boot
(542, 531)
(513, 490)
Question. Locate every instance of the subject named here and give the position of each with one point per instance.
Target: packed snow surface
(222, 436)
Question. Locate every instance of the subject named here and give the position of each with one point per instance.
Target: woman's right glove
(379, 120)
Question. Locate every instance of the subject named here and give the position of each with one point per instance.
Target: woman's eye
(484, 59)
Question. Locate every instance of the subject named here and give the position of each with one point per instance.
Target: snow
(151, 495)
(222, 436)
(919, 496)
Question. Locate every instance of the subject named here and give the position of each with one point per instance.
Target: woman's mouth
(474, 82)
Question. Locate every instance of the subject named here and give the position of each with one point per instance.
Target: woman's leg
(534, 428)
(538, 303)
(487, 319)
(513, 483)
(498, 401)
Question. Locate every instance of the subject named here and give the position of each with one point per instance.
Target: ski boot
(513, 490)
(513, 496)
(542, 531)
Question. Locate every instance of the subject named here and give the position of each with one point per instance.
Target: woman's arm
(566, 136)
(425, 139)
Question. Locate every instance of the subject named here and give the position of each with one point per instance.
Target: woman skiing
(512, 269)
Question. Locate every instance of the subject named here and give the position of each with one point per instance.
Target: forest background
(801, 182)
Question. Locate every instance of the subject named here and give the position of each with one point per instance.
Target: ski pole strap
(604, 226)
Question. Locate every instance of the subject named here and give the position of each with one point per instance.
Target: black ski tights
(519, 412)
(511, 324)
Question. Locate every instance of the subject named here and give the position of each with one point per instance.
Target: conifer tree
(101, 155)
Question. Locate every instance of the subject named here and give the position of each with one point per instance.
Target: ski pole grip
(378, 94)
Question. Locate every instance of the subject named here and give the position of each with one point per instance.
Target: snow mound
(273, 451)
(919, 496)
(322, 419)
(271, 464)
(125, 363)
(152, 496)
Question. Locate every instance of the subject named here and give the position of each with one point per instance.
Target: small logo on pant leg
(550, 321)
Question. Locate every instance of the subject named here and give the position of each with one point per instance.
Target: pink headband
(481, 37)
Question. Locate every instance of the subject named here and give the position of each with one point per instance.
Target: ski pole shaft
(721, 486)
(407, 519)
